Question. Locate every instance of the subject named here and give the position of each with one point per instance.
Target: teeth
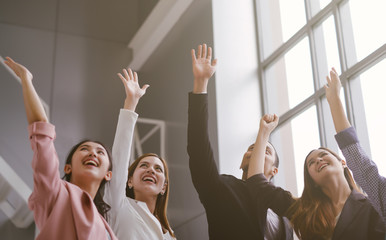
(148, 179)
(90, 162)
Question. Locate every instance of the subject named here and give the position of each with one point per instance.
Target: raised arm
(267, 124)
(365, 171)
(115, 190)
(203, 68)
(332, 89)
(261, 189)
(202, 164)
(33, 106)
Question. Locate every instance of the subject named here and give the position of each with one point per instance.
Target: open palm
(203, 66)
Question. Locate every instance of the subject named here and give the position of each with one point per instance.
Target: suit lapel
(350, 209)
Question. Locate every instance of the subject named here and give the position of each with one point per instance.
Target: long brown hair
(313, 215)
(160, 211)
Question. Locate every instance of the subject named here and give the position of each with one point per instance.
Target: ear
(344, 163)
(108, 175)
(67, 169)
(130, 182)
(275, 170)
(164, 187)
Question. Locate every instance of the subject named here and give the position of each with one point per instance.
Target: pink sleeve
(45, 166)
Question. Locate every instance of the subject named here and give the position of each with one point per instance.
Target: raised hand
(33, 106)
(268, 123)
(332, 89)
(333, 86)
(132, 89)
(203, 68)
(20, 71)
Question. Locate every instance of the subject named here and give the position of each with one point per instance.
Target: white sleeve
(115, 190)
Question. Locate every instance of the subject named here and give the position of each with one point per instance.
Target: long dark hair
(101, 205)
(161, 205)
(313, 214)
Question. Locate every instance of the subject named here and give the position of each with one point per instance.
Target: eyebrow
(86, 145)
(318, 155)
(157, 165)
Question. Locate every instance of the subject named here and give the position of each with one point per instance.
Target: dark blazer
(230, 210)
(358, 219)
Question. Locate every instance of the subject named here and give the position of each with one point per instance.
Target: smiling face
(89, 161)
(270, 169)
(321, 164)
(148, 178)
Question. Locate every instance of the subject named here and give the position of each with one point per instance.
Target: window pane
(280, 19)
(289, 81)
(316, 5)
(363, 23)
(294, 141)
(373, 90)
(327, 52)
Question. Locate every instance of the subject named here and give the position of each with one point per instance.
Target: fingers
(135, 76)
(270, 118)
(203, 51)
(129, 75)
(193, 53)
(199, 51)
(144, 87)
(209, 56)
(122, 78)
(9, 59)
(126, 74)
(214, 62)
(9, 62)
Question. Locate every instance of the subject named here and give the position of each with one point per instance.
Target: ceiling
(116, 20)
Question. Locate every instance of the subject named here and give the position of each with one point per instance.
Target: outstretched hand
(20, 71)
(333, 86)
(132, 89)
(203, 67)
(268, 123)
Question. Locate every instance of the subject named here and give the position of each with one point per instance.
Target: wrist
(264, 134)
(130, 104)
(200, 85)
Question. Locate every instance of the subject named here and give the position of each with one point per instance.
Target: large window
(298, 42)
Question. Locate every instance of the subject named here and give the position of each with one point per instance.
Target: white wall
(237, 89)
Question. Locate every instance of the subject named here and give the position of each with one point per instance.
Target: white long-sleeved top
(129, 219)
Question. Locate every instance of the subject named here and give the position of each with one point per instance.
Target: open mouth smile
(91, 162)
(322, 166)
(149, 179)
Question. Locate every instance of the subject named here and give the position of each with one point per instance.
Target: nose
(92, 153)
(150, 170)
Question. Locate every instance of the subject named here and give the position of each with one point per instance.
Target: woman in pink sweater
(70, 208)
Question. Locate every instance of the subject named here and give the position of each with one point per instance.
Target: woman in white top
(138, 197)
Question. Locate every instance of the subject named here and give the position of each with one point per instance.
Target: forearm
(33, 106)
(201, 160)
(121, 151)
(256, 164)
(338, 115)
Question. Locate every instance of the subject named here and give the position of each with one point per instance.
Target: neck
(149, 200)
(91, 187)
(338, 191)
